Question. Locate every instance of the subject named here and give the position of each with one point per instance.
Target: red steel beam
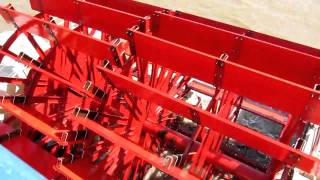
(71, 39)
(108, 20)
(142, 9)
(48, 74)
(258, 86)
(66, 172)
(242, 134)
(256, 54)
(32, 121)
(247, 105)
(17, 81)
(133, 7)
(249, 33)
(39, 123)
(221, 160)
(267, 113)
(136, 149)
(37, 99)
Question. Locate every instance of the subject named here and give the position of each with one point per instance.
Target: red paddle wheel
(132, 91)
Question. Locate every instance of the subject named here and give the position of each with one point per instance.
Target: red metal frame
(207, 66)
(249, 137)
(142, 10)
(269, 58)
(128, 87)
(256, 85)
(247, 105)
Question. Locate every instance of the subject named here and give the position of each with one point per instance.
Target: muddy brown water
(294, 20)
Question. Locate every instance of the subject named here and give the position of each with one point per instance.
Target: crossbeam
(66, 172)
(105, 19)
(133, 7)
(136, 149)
(231, 165)
(32, 121)
(247, 105)
(48, 73)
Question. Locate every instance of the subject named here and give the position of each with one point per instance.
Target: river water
(294, 20)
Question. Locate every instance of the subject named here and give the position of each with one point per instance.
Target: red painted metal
(218, 124)
(141, 9)
(256, 85)
(109, 98)
(247, 105)
(269, 58)
(105, 19)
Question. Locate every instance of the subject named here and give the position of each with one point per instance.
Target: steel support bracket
(86, 113)
(99, 93)
(219, 70)
(23, 56)
(51, 33)
(237, 47)
(131, 39)
(312, 108)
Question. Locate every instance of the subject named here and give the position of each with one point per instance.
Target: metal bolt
(113, 49)
(142, 21)
(130, 33)
(117, 59)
